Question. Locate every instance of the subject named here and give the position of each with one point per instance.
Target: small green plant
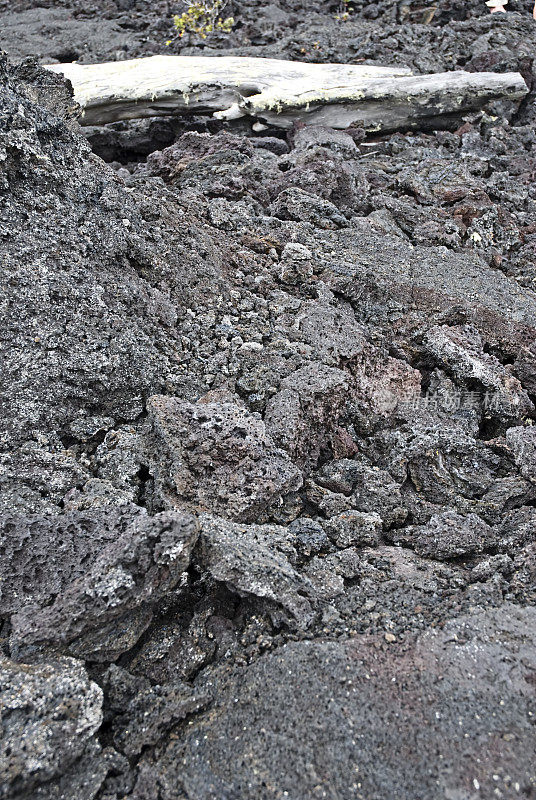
(344, 11)
(203, 17)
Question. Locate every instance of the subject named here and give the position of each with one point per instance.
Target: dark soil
(268, 462)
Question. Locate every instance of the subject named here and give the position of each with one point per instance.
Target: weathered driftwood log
(163, 85)
(280, 92)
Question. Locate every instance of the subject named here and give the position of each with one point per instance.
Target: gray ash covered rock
(448, 535)
(50, 713)
(104, 612)
(143, 712)
(257, 560)
(87, 294)
(40, 555)
(303, 414)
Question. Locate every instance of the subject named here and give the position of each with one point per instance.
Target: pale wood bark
(279, 92)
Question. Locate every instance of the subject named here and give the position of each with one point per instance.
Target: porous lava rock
(267, 464)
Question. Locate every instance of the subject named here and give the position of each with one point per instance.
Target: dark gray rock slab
(448, 716)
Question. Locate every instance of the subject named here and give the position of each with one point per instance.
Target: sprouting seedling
(202, 17)
(344, 10)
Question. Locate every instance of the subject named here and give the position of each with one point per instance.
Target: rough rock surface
(441, 718)
(50, 712)
(252, 559)
(218, 450)
(268, 461)
(104, 611)
(41, 555)
(448, 535)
